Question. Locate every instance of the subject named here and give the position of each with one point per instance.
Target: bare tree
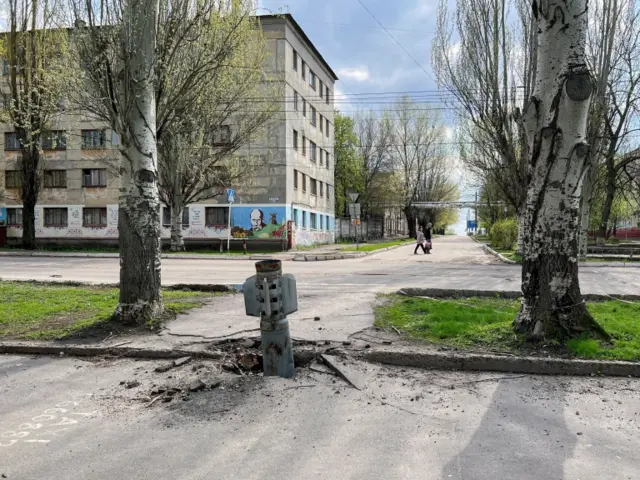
(375, 134)
(418, 159)
(621, 117)
(557, 148)
(116, 42)
(237, 100)
(489, 72)
(35, 49)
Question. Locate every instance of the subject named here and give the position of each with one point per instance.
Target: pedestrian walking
(420, 241)
(427, 239)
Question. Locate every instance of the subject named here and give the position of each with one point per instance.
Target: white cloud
(358, 74)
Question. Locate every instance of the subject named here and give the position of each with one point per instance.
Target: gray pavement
(71, 419)
(341, 292)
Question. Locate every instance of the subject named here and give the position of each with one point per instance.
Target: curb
(499, 256)
(496, 363)
(296, 257)
(91, 351)
(508, 294)
(196, 287)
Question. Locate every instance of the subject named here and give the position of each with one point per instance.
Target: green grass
(486, 323)
(48, 311)
(371, 247)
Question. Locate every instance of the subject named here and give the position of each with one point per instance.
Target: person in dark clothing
(427, 239)
(420, 240)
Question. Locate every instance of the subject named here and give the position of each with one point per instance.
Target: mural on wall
(268, 222)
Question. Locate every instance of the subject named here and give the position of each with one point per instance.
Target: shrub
(504, 234)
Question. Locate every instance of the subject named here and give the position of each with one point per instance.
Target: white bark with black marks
(139, 207)
(556, 121)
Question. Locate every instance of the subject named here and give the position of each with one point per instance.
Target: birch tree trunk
(177, 240)
(556, 121)
(521, 234)
(29, 164)
(139, 206)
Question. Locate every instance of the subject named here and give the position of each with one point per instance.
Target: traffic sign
(354, 210)
(231, 195)
(354, 196)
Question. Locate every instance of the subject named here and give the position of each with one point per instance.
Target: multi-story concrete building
(290, 202)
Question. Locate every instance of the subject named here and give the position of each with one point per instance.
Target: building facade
(289, 202)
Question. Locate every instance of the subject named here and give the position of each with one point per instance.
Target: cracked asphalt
(65, 418)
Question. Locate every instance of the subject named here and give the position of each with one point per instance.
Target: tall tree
(35, 51)
(375, 135)
(227, 112)
(117, 41)
(486, 63)
(418, 159)
(557, 149)
(348, 163)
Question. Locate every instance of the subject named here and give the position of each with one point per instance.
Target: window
(54, 140)
(321, 88)
(313, 116)
(328, 161)
(304, 183)
(304, 219)
(216, 216)
(314, 221)
(93, 139)
(304, 145)
(55, 217)
(326, 130)
(312, 79)
(295, 216)
(304, 108)
(326, 96)
(94, 217)
(295, 60)
(94, 177)
(304, 70)
(295, 100)
(12, 179)
(321, 156)
(11, 141)
(321, 189)
(314, 186)
(321, 123)
(166, 217)
(295, 139)
(14, 216)
(222, 135)
(295, 179)
(55, 179)
(313, 151)
(328, 189)
(5, 67)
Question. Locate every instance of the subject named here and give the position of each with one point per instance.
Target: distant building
(78, 203)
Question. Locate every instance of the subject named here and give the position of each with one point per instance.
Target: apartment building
(290, 202)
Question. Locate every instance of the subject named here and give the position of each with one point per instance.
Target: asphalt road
(457, 262)
(66, 419)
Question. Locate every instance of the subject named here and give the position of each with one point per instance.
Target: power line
(396, 40)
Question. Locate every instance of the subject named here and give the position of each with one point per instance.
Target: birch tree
(226, 111)
(348, 172)
(36, 54)
(486, 63)
(557, 149)
(116, 44)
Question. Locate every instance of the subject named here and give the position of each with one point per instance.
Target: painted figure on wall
(249, 222)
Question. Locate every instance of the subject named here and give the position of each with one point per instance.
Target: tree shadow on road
(522, 436)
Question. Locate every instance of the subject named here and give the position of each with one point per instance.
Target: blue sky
(362, 53)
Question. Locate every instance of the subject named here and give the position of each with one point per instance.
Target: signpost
(231, 198)
(354, 213)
